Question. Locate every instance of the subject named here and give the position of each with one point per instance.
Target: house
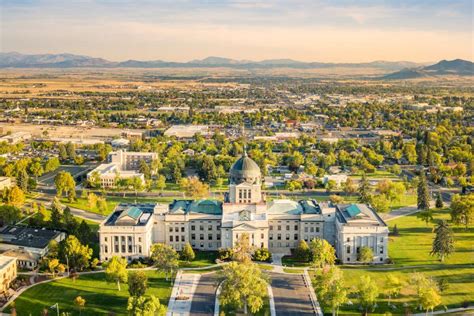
(5, 183)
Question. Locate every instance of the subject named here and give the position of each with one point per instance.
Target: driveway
(291, 295)
(204, 297)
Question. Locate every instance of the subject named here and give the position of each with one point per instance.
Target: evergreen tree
(22, 180)
(56, 214)
(137, 283)
(423, 201)
(364, 189)
(439, 201)
(443, 244)
(302, 252)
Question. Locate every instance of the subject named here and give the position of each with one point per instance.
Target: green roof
(134, 212)
(206, 206)
(353, 210)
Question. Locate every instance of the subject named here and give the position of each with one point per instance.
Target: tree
(423, 200)
(439, 201)
(322, 253)
(160, 182)
(329, 287)
(428, 293)
(426, 216)
(302, 252)
(116, 270)
(14, 196)
(102, 206)
(137, 283)
(9, 214)
(22, 180)
(366, 255)
(194, 188)
(462, 209)
(52, 164)
(443, 244)
(244, 286)
(349, 187)
(364, 189)
(92, 200)
(262, 254)
(78, 254)
(145, 306)
(52, 265)
(65, 183)
(367, 292)
(379, 203)
(188, 253)
(56, 214)
(165, 258)
(80, 303)
(393, 286)
(395, 231)
(336, 199)
(242, 249)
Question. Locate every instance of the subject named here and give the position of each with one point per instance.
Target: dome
(245, 170)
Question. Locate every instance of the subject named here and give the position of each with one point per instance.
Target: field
(102, 298)
(202, 259)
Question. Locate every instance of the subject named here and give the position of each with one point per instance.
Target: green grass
(293, 262)
(213, 269)
(294, 271)
(460, 287)
(232, 311)
(202, 259)
(266, 267)
(413, 245)
(410, 252)
(102, 298)
(405, 200)
(377, 174)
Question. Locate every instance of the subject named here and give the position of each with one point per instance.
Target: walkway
(182, 294)
(291, 295)
(204, 298)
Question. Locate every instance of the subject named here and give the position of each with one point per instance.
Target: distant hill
(17, 60)
(457, 67)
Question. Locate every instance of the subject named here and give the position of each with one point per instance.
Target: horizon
(181, 31)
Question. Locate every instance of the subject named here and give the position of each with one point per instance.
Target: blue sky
(338, 31)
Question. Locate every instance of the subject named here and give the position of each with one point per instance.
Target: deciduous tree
(165, 258)
(116, 270)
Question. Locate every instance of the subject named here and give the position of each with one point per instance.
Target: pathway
(182, 294)
(291, 295)
(204, 297)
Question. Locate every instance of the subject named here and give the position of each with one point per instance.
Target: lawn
(413, 245)
(102, 298)
(202, 259)
(112, 202)
(377, 174)
(290, 261)
(410, 252)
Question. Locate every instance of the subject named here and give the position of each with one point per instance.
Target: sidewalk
(182, 294)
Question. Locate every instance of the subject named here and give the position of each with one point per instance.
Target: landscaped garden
(102, 298)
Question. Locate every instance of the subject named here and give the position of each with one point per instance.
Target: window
(209, 237)
(201, 236)
(105, 239)
(182, 238)
(193, 236)
(139, 239)
(123, 248)
(279, 227)
(348, 239)
(139, 249)
(311, 229)
(171, 238)
(193, 227)
(129, 248)
(348, 249)
(171, 229)
(287, 236)
(209, 227)
(270, 236)
(296, 227)
(262, 236)
(287, 227)
(201, 227)
(271, 227)
(182, 229)
(106, 249)
(218, 236)
(381, 250)
(296, 236)
(279, 237)
(348, 259)
(381, 239)
(176, 229)
(317, 229)
(358, 249)
(123, 238)
(116, 248)
(306, 229)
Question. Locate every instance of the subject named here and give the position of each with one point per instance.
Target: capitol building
(279, 225)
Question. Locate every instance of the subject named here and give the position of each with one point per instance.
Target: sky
(183, 30)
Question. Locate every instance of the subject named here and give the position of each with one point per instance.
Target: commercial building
(209, 225)
(27, 244)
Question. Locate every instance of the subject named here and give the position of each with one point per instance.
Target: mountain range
(397, 70)
(457, 67)
(17, 60)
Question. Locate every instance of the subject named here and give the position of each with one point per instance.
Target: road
(205, 295)
(291, 295)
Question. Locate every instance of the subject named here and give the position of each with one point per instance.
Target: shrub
(225, 253)
(262, 254)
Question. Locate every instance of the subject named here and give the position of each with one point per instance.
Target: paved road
(205, 295)
(291, 295)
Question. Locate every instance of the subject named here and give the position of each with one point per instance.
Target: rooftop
(293, 207)
(358, 214)
(131, 214)
(28, 236)
(211, 207)
(5, 261)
